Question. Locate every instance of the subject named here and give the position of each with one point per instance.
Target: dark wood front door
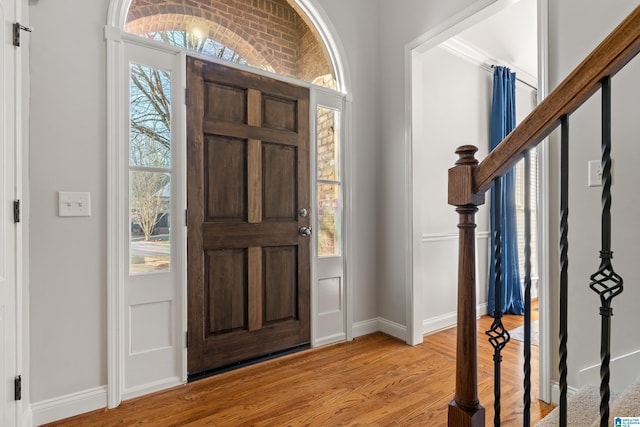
(247, 178)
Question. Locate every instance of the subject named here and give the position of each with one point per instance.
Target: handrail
(607, 59)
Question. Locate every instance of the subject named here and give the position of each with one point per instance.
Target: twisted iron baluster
(526, 418)
(498, 336)
(605, 282)
(564, 265)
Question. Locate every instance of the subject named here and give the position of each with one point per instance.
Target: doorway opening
(450, 109)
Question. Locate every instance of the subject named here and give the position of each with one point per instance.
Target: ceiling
(509, 36)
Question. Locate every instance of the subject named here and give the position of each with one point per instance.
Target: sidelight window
(329, 185)
(149, 169)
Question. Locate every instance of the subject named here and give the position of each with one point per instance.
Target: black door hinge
(17, 387)
(186, 96)
(17, 27)
(186, 217)
(16, 211)
(186, 339)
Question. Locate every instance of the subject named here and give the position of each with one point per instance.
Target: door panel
(279, 113)
(248, 176)
(227, 290)
(225, 178)
(231, 105)
(279, 175)
(280, 268)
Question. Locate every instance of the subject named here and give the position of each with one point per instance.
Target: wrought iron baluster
(564, 265)
(605, 282)
(498, 336)
(526, 416)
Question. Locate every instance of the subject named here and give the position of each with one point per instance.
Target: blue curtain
(503, 120)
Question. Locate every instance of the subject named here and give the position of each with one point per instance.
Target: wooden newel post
(465, 408)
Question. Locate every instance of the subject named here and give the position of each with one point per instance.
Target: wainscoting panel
(331, 316)
(150, 325)
(437, 266)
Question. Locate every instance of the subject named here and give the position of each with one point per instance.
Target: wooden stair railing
(469, 181)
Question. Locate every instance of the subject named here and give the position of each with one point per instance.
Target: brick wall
(268, 34)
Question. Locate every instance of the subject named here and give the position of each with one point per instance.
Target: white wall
(398, 26)
(356, 24)
(67, 153)
(451, 107)
(576, 27)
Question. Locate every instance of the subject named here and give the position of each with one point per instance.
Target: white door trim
(449, 28)
(544, 289)
(22, 228)
(115, 218)
(475, 13)
(12, 146)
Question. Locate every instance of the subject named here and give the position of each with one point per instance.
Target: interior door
(248, 216)
(8, 228)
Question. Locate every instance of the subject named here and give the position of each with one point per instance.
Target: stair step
(628, 404)
(583, 409)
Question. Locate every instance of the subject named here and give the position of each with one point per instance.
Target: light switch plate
(74, 203)
(595, 173)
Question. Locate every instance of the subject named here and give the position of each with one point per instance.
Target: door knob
(303, 212)
(304, 231)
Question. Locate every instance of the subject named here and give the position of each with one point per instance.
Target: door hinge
(17, 387)
(17, 27)
(186, 339)
(186, 96)
(186, 217)
(16, 211)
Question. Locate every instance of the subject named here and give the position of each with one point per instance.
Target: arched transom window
(267, 34)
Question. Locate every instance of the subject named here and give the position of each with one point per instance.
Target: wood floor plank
(374, 380)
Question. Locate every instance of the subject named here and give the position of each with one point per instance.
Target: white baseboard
(331, 339)
(447, 320)
(365, 327)
(482, 309)
(392, 328)
(27, 417)
(555, 392)
(437, 323)
(73, 404)
(624, 371)
(380, 325)
(69, 405)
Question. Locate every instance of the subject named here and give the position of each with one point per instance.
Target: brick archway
(269, 34)
(240, 42)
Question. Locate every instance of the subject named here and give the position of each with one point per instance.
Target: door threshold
(247, 362)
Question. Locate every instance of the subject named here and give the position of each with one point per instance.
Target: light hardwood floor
(374, 380)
